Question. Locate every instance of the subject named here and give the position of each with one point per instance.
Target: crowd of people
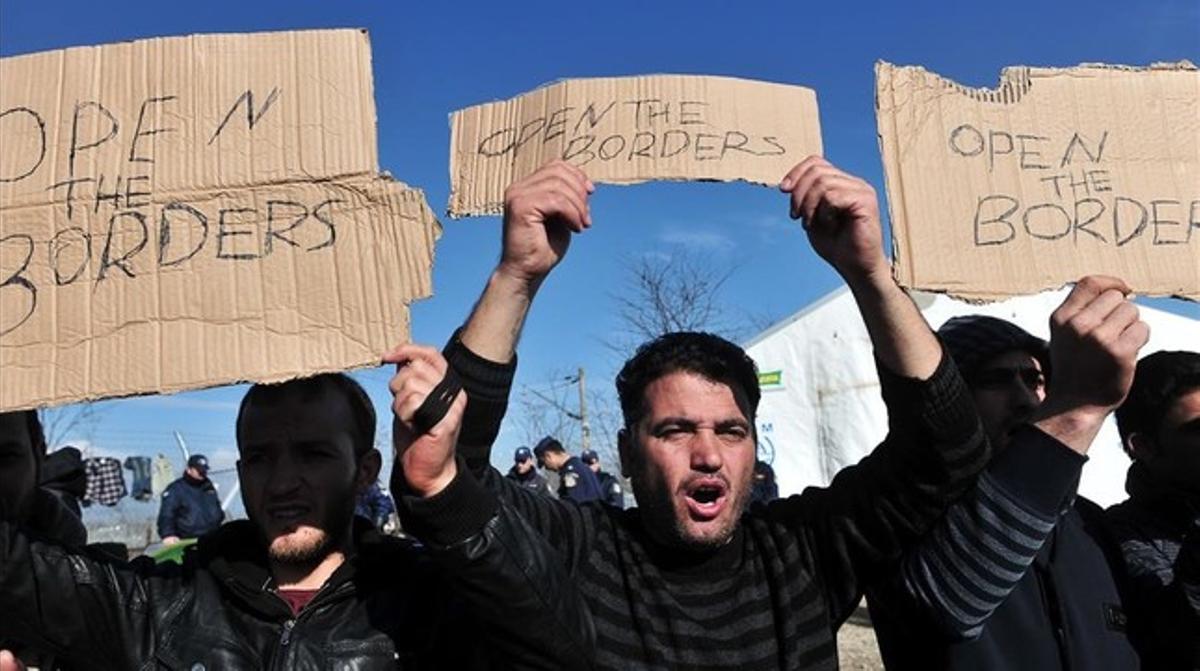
(963, 527)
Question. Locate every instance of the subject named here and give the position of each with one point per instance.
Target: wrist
(1074, 425)
(875, 281)
(515, 282)
(875, 276)
(430, 486)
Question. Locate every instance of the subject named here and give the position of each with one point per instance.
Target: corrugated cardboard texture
(1056, 174)
(184, 212)
(625, 130)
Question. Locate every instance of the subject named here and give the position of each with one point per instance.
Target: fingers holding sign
(1095, 336)
(840, 214)
(541, 212)
(427, 407)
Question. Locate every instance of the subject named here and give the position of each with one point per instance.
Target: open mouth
(706, 498)
(288, 513)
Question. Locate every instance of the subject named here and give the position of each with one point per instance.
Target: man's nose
(706, 451)
(285, 476)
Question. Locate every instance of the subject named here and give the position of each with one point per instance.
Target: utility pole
(182, 446)
(586, 431)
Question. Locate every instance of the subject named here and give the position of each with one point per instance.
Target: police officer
(526, 474)
(576, 482)
(610, 485)
(190, 506)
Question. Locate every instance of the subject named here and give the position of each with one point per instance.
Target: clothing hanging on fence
(140, 466)
(105, 481)
(162, 474)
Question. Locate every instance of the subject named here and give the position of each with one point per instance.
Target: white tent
(821, 409)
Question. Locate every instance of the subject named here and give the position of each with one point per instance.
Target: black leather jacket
(393, 605)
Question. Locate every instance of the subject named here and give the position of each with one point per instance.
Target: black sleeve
(568, 527)
(506, 573)
(72, 604)
(858, 527)
(972, 559)
(487, 384)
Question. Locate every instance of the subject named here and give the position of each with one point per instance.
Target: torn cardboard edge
(227, 143)
(914, 114)
(630, 130)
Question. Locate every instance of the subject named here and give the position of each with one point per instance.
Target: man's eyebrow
(682, 421)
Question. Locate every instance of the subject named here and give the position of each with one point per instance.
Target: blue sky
(433, 58)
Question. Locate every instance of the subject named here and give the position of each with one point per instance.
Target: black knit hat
(1160, 379)
(972, 340)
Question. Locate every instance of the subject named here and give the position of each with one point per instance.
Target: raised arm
(541, 213)
(503, 569)
(862, 523)
(972, 560)
(841, 216)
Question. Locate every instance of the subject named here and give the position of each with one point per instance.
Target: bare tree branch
(661, 295)
(77, 422)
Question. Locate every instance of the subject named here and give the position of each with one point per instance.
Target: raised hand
(540, 214)
(841, 215)
(1095, 336)
(424, 455)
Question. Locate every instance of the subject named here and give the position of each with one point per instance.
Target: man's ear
(368, 470)
(625, 452)
(1140, 446)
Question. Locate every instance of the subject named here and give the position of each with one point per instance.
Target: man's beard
(305, 546)
(664, 522)
(309, 544)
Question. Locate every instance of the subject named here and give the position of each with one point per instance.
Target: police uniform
(531, 479)
(577, 482)
(610, 487)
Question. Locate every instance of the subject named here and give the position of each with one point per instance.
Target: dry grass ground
(857, 650)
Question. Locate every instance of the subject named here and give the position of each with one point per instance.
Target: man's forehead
(301, 416)
(688, 395)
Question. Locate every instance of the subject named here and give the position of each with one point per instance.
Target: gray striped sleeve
(971, 561)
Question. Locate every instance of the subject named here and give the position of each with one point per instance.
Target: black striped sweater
(775, 596)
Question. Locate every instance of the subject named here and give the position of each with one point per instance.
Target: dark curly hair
(704, 354)
(311, 388)
(1161, 378)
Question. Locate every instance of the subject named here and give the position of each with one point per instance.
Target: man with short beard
(301, 584)
(689, 578)
(1018, 573)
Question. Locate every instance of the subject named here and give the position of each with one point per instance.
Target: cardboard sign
(632, 129)
(184, 212)
(1056, 174)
